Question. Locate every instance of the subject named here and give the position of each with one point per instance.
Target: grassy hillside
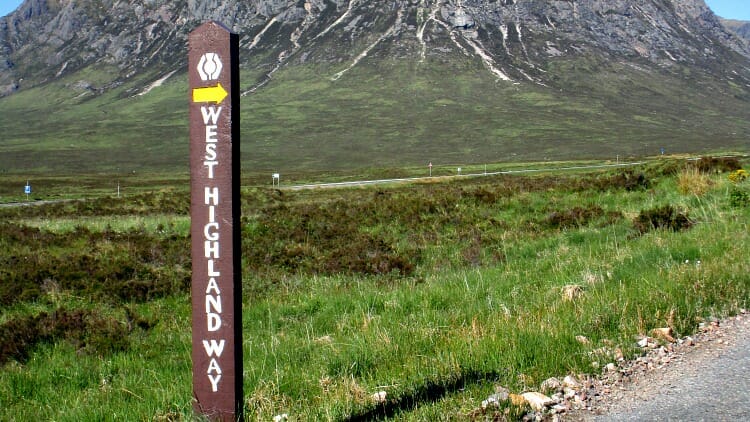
(434, 293)
(401, 113)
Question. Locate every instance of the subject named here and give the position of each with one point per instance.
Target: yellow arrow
(210, 94)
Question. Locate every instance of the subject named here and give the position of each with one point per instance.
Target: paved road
(495, 173)
(711, 383)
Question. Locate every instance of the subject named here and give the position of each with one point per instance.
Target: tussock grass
(505, 277)
(691, 181)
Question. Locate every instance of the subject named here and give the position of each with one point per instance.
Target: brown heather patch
(87, 330)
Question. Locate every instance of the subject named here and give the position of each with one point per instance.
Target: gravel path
(706, 378)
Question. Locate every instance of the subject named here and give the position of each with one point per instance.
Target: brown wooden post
(213, 69)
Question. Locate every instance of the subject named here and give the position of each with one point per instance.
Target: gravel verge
(704, 377)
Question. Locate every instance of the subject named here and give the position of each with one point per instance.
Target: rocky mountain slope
(612, 49)
(515, 40)
(740, 28)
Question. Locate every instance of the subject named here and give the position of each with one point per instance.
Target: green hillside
(398, 113)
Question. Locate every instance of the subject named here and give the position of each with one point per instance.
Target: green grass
(448, 290)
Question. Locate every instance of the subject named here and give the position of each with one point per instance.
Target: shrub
(717, 164)
(739, 198)
(87, 330)
(666, 217)
(738, 176)
(629, 181)
(575, 217)
(136, 266)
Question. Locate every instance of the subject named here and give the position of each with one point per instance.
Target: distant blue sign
(27, 190)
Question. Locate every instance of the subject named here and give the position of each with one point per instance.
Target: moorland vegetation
(431, 292)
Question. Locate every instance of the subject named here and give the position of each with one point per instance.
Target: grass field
(433, 292)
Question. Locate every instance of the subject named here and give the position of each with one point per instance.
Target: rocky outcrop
(515, 40)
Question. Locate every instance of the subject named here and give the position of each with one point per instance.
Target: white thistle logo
(209, 67)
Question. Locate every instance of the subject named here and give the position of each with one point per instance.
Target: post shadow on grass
(430, 392)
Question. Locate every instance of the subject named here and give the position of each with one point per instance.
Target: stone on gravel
(551, 385)
(664, 334)
(537, 401)
(571, 382)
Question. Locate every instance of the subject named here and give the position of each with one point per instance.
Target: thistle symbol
(209, 67)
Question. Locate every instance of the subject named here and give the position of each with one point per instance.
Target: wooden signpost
(213, 61)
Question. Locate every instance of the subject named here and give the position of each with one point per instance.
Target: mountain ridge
(622, 76)
(133, 35)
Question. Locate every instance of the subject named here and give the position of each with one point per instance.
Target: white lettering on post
(210, 115)
(214, 382)
(212, 160)
(212, 196)
(213, 287)
(213, 347)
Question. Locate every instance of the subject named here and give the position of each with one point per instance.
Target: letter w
(213, 347)
(210, 115)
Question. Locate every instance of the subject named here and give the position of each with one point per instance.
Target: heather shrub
(666, 217)
(88, 331)
(717, 164)
(580, 216)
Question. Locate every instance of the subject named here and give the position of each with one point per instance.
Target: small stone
(663, 333)
(583, 340)
(379, 397)
(610, 367)
(559, 408)
(689, 341)
(571, 382)
(280, 418)
(551, 384)
(537, 401)
(643, 343)
(495, 399)
(490, 402)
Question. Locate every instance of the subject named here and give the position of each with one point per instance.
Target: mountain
(740, 28)
(349, 83)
